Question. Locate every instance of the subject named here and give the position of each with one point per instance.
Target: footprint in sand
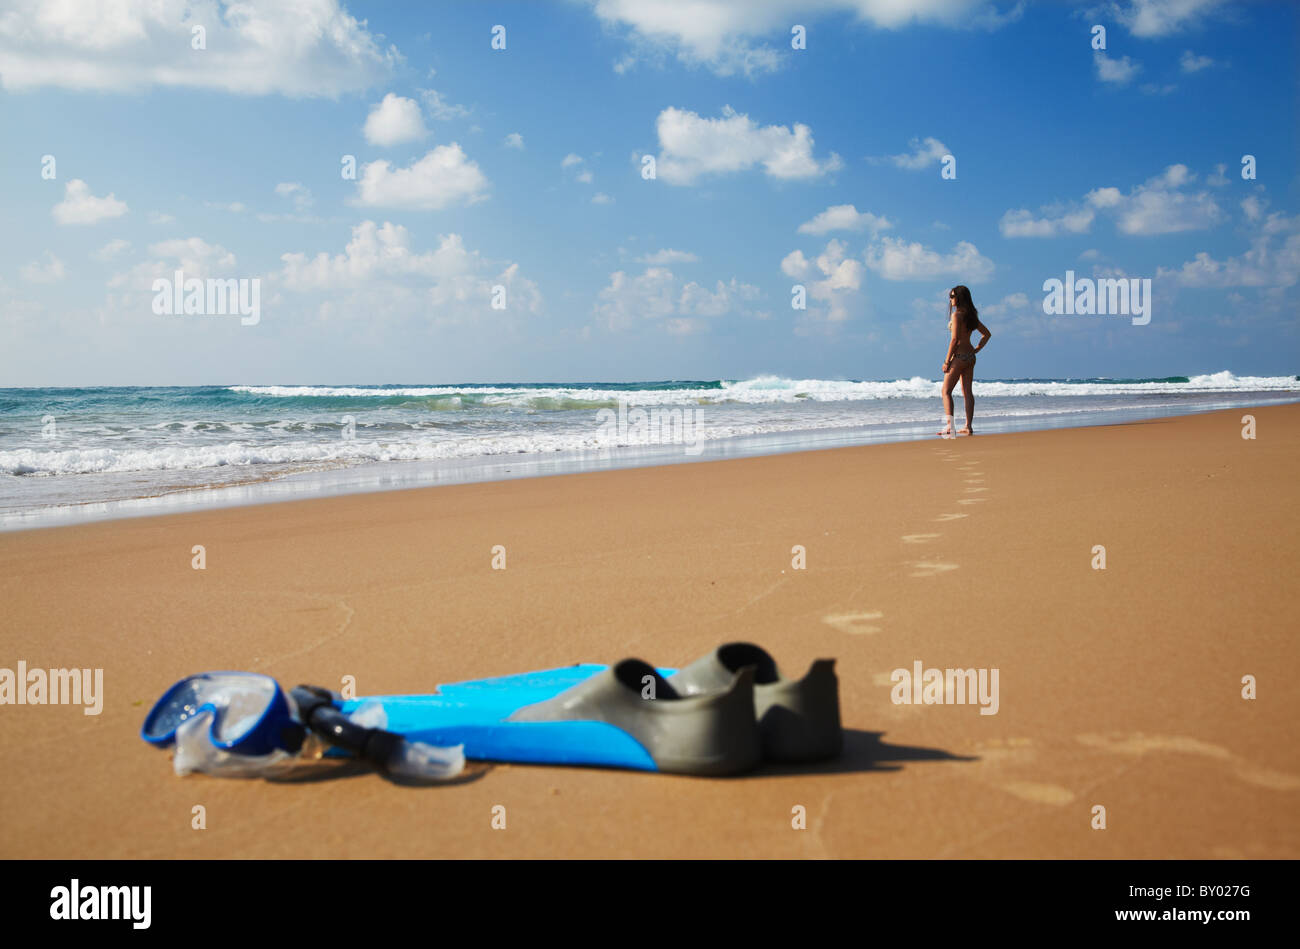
(972, 500)
(924, 569)
(998, 753)
(973, 481)
(1038, 793)
(950, 517)
(975, 490)
(1140, 744)
(1242, 851)
(919, 538)
(856, 624)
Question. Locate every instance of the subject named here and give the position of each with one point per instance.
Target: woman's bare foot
(965, 431)
(947, 431)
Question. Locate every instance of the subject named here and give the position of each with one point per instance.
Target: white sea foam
(777, 389)
(411, 424)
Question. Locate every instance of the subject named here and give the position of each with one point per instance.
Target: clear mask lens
(238, 702)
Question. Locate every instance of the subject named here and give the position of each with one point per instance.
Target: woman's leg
(949, 383)
(967, 390)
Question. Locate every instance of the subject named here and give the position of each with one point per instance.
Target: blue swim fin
(626, 715)
(798, 718)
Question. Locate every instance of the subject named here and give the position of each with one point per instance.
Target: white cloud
(1219, 178)
(1190, 62)
(158, 217)
(300, 193)
(112, 249)
(1105, 197)
(444, 176)
(234, 207)
(1022, 223)
(1012, 302)
(193, 255)
(1175, 176)
(48, 270)
(897, 259)
(582, 173)
(727, 37)
(1267, 264)
(838, 284)
(1153, 18)
(1117, 71)
(844, 217)
(514, 140)
(1264, 265)
(1159, 207)
(656, 296)
(79, 206)
(601, 198)
(440, 108)
(668, 256)
(649, 296)
(394, 120)
(378, 264)
(691, 146)
(256, 47)
(923, 154)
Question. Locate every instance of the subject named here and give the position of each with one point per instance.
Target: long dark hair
(965, 307)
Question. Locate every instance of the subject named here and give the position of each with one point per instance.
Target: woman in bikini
(963, 320)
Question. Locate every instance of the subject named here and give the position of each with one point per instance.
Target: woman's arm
(988, 335)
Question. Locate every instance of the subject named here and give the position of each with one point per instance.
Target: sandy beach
(1119, 687)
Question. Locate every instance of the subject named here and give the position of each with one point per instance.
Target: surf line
(53, 687)
(921, 686)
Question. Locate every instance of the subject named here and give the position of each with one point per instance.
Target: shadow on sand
(863, 751)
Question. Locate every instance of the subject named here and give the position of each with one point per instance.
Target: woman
(963, 320)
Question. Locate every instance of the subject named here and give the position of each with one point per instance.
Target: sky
(630, 190)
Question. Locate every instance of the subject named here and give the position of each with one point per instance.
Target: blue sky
(521, 168)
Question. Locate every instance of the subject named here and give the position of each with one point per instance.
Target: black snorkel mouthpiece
(316, 710)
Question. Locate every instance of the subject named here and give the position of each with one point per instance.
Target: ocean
(76, 454)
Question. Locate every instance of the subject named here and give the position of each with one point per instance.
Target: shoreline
(1118, 687)
(376, 477)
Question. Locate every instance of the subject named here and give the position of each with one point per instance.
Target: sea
(69, 455)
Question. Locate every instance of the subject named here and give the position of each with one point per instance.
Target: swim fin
(799, 718)
(626, 715)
